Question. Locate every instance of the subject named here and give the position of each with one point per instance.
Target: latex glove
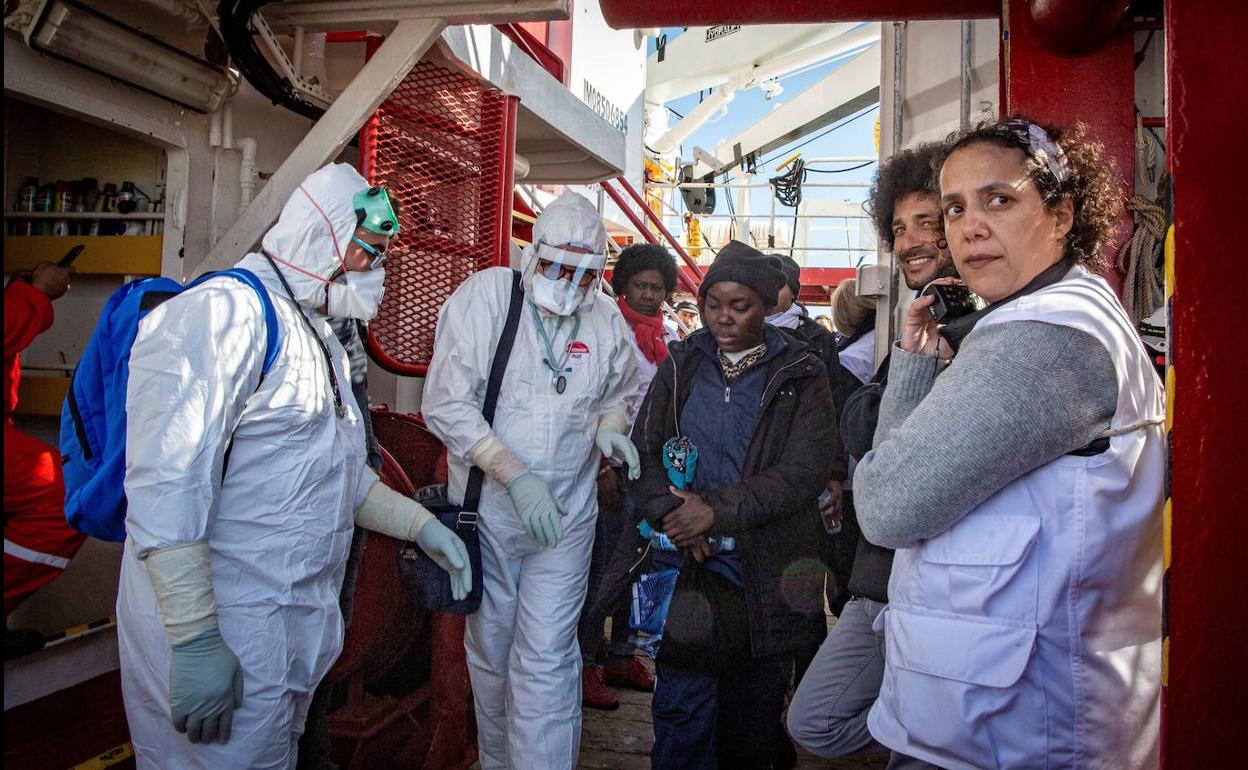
(205, 686)
(538, 509)
(448, 551)
(205, 680)
(402, 518)
(616, 445)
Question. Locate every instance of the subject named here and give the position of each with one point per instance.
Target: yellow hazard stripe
(113, 756)
(1167, 525)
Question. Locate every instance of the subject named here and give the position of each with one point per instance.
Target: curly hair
(909, 171)
(1082, 172)
(641, 257)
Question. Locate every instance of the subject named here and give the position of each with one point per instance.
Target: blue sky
(855, 139)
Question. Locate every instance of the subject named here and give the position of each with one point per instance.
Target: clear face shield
(564, 278)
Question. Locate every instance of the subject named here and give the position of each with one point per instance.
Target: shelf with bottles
(83, 207)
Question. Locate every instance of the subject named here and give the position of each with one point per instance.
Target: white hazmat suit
(523, 656)
(277, 529)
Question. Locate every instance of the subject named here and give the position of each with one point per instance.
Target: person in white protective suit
(565, 398)
(228, 611)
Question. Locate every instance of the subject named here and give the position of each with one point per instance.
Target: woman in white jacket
(1024, 624)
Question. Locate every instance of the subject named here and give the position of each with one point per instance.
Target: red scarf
(649, 331)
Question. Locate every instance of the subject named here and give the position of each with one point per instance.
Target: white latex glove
(448, 551)
(402, 518)
(205, 679)
(618, 446)
(538, 509)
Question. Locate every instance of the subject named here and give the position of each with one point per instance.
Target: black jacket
(842, 382)
(772, 512)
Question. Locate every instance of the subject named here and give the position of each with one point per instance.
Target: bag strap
(476, 476)
(273, 327)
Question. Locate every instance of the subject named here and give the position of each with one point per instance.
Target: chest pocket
(979, 567)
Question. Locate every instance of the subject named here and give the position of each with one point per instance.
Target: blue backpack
(93, 417)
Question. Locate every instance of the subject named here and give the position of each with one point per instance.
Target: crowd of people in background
(981, 511)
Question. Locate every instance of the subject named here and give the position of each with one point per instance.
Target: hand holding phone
(951, 300)
(71, 255)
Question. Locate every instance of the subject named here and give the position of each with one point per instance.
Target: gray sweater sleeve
(1018, 395)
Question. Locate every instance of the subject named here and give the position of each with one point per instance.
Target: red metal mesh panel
(443, 145)
(417, 451)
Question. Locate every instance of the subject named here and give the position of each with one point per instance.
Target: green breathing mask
(374, 213)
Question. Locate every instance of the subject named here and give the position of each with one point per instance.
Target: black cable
(788, 186)
(844, 123)
(841, 170)
(674, 112)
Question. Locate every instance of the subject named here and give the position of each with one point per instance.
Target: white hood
(303, 238)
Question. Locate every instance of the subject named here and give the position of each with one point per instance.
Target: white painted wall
(931, 102)
(614, 65)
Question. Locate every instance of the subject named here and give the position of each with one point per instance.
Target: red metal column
(1098, 89)
(1207, 614)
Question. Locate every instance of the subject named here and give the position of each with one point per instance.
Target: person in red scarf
(643, 279)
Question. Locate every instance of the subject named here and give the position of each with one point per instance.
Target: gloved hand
(205, 686)
(618, 446)
(538, 509)
(444, 547)
(205, 679)
(402, 518)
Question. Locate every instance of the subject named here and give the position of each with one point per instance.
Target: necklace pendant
(561, 384)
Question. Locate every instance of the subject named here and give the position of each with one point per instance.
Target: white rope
(1133, 427)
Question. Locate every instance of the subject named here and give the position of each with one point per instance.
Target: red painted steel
(1054, 89)
(690, 284)
(559, 40)
(658, 222)
(534, 47)
(1207, 614)
(1074, 27)
(625, 14)
(443, 143)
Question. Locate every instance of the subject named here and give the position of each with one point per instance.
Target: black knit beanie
(792, 273)
(740, 263)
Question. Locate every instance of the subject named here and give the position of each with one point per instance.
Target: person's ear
(1064, 213)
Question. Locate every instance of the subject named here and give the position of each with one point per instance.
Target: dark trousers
(612, 520)
(706, 721)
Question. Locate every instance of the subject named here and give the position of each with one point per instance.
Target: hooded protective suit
(523, 656)
(279, 525)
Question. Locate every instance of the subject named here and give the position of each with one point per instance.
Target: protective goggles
(571, 261)
(374, 213)
(376, 255)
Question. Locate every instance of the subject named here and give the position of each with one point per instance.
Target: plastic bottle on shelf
(107, 203)
(62, 201)
(26, 202)
(90, 199)
(44, 200)
(128, 203)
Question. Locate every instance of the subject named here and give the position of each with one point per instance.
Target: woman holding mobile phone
(1024, 625)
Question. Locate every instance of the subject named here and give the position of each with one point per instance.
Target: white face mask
(359, 297)
(558, 296)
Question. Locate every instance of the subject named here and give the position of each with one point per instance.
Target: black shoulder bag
(427, 583)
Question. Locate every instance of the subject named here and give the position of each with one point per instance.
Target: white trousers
(523, 656)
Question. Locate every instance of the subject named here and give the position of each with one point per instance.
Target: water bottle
(824, 498)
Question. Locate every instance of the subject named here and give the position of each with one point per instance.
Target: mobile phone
(952, 301)
(71, 255)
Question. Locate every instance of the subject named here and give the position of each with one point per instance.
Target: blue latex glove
(538, 509)
(616, 445)
(444, 547)
(205, 686)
